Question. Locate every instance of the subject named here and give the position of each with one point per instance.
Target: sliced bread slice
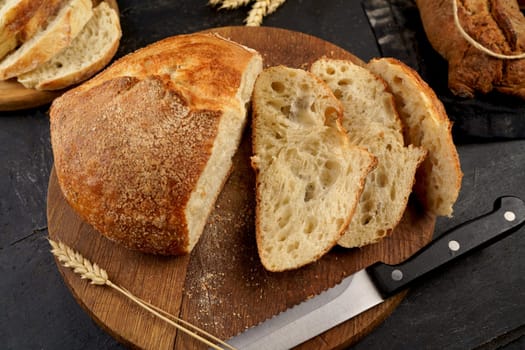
(89, 52)
(308, 176)
(21, 19)
(438, 179)
(372, 122)
(45, 44)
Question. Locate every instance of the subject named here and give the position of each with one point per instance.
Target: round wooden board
(221, 286)
(14, 96)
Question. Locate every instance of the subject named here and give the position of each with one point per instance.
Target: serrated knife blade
(313, 316)
(369, 287)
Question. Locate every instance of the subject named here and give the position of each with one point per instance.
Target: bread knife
(372, 285)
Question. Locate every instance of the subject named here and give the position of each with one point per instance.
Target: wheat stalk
(98, 276)
(259, 10)
(274, 5)
(256, 14)
(233, 4)
(214, 2)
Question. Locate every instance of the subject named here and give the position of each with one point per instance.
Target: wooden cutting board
(221, 286)
(14, 96)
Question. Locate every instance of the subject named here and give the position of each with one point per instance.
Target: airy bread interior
(438, 179)
(232, 124)
(91, 50)
(371, 121)
(309, 177)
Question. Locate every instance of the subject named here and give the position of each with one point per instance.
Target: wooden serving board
(14, 96)
(221, 286)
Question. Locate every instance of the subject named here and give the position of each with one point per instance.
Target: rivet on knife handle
(508, 215)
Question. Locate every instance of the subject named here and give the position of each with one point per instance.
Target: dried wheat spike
(256, 14)
(233, 4)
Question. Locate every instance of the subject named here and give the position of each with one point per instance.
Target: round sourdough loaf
(143, 149)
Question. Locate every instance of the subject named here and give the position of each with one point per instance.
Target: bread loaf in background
(371, 121)
(143, 149)
(498, 25)
(309, 177)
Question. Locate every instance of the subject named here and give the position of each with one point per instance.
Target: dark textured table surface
(478, 302)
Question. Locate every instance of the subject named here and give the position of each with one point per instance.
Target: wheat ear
(233, 4)
(274, 5)
(258, 11)
(214, 2)
(98, 276)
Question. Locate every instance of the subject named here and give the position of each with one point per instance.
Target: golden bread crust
(131, 144)
(204, 69)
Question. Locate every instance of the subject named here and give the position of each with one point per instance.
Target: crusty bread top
(204, 69)
(438, 179)
(117, 148)
(130, 145)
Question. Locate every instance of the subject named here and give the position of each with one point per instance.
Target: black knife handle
(507, 216)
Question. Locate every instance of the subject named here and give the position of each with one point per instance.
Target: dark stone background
(476, 303)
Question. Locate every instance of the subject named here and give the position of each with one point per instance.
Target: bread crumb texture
(438, 179)
(309, 177)
(371, 121)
